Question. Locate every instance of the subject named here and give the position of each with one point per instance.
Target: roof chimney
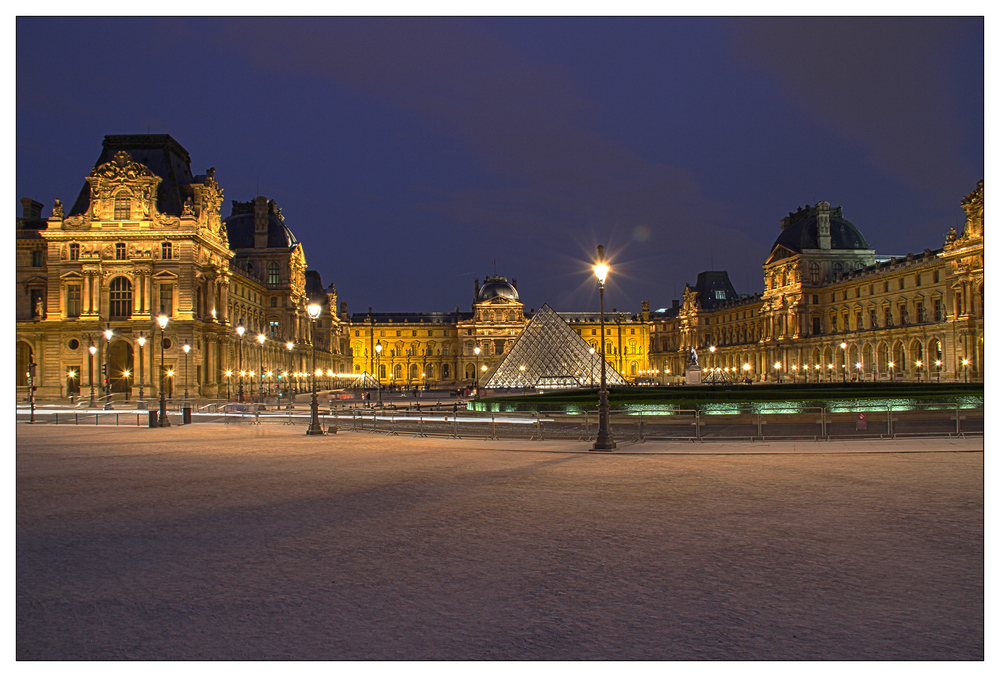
(30, 209)
(823, 224)
(260, 222)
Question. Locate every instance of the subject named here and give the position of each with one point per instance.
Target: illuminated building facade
(145, 233)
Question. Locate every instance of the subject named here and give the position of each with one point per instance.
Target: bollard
(153, 416)
(186, 414)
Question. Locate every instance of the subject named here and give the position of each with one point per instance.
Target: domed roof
(496, 286)
(240, 227)
(799, 231)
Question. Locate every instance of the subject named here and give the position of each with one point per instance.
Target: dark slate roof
(165, 157)
(240, 228)
(800, 231)
(496, 285)
(711, 281)
(413, 318)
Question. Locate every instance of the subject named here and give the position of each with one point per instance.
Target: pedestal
(692, 376)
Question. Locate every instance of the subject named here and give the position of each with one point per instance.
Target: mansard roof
(163, 155)
(715, 289)
(240, 227)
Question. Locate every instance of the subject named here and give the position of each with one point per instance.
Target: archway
(122, 360)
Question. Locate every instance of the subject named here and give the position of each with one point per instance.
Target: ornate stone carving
(57, 209)
(122, 177)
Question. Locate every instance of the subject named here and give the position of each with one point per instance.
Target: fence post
(888, 422)
(697, 424)
(958, 420)
(642, 437)
(493, 426)
(455, 433)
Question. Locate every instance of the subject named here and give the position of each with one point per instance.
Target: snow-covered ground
(253, 542)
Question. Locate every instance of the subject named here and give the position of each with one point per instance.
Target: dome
(494, 287)
(799, 231)
(240, 227)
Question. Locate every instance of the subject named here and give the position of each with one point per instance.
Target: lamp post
(31, 389)
(965, 368)
(314, 426)
(187, 350)
(592, 351)
(843, 349)
(142, 342)
(892, 372)
(289, 386)
(746, 372)
(777, 368)
(93, 351)
(162, 320)
(260, 377)
(918, 364)
(603, 441)
(108, 333)
(937, 363)
(477, 350)
(229, 379)
(70, 375)
(378, 372)
(240, 329)
(861, 373)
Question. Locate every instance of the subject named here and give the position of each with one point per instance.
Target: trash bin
(153, 416)
(187, 414)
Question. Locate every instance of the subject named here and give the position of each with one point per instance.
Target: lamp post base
(315, 427)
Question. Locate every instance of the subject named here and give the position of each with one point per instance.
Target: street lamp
(937, 363)
(70, 375)
(918, 364)
(829, 378)
(108, 333)
(142, 342)
(229, 379)
(819, 367)
(314, 426)
(378, 372)
(603, 441)
(187, 349)
(260, 389)
(93, 351)
(746, 371)
(861, 373)
(289, 384)
(843, 348)
(477, 350)
(592, 351)
(965, 368)
(892, 373)
(239, 384)
(777, 367)
(162, 320)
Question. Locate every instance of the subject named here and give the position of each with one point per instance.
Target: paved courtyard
(243, 542)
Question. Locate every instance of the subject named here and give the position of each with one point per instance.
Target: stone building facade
(832, 309)
(144, 236)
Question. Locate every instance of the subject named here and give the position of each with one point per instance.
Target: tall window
(272, 273)
(937, 309)
(166, 250)
(73, 303)
(814, 272)
(920, 311)
(123, 207)
(838, 269)
(167, 298)
(120, 254)
(859, 321)
(121, 297)
(274, 327)
(74, 251)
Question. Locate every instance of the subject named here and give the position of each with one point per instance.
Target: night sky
(410, 154)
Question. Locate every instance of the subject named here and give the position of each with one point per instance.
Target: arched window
(814, 272)
(838, 269)
(272, 273)
(120, 297)
(445, 369)
(397, 372)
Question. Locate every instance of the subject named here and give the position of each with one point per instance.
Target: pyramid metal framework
(549, 354)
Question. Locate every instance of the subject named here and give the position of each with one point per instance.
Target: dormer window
(123, 207)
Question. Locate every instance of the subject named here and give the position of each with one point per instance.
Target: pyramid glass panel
(549, 354)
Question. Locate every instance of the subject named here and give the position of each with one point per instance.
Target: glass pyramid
(549, 354)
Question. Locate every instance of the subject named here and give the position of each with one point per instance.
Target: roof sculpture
(549, 354)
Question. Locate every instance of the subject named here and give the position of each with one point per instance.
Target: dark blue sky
(408, 154)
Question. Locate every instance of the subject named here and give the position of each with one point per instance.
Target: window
(814, 272)
(838, 269)
(399, 333)
(920, 311)
(123, 207)
(918, 279)
(720, 294)
(937, 307)
(859, 323)
(593, 332)
(120, 254)
(632, 331)
(37, 258)
(935, 277)
(902, 282)
(873, 320)
(815, 298)
(274, 301)
(121, 297)
(167, 298)
(888, 315)
(817, 328)
(74, 251)
(166, 250)
(414, 332)
(272, 273)
(274, 328)
(73, 303)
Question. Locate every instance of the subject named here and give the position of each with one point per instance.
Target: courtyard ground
(258, 542)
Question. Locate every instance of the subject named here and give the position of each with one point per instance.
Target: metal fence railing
(817, 423)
